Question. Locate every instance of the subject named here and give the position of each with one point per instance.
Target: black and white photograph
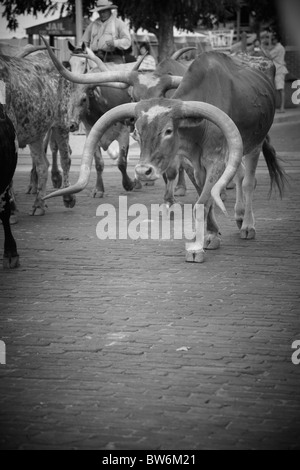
(150, 239)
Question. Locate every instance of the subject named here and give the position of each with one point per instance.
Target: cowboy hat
(102, 5)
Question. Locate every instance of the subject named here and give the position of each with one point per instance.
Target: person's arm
(123, 39)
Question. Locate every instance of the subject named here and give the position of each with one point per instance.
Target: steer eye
(169, 132)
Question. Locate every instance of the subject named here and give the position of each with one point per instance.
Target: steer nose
(145, 172)
(73, 126)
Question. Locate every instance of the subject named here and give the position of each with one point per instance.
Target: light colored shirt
(97, 33)
(277, 54)
(148, 63)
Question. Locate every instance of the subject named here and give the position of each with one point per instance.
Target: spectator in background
(149, 61)
(277, 54)
(108, 36)
(256, 50)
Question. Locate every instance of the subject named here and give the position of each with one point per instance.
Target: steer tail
(277, 174)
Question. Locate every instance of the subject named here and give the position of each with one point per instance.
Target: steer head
(79, 106)
(146, 85)
(156, 130)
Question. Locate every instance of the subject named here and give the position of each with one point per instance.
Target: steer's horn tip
(216, 196)
(58, 193)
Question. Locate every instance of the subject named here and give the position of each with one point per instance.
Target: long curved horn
(232, 135)
(30, 49)
(119, 113)
(181, 51)
(90, 55)
(89, 78)
(174, 82)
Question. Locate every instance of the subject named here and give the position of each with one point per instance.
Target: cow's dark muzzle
(146, 172)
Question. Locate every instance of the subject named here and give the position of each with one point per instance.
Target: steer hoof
(32, 190)
(195, 256)
(212, 242)
(69, 202)
(57, 180)
(137, 185)
(248, 233)
(97, 194)
(128, 185)
(180, 191)
(11, 261)
(37, 211)
(239, 223)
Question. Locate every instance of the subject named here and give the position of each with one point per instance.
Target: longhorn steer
(36, 97)
(184, 127)
(8, 163)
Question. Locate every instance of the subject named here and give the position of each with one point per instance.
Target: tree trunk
(165, 37)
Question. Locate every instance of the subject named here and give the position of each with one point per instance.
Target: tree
(159, 17)
(263, 12)
(156, 16)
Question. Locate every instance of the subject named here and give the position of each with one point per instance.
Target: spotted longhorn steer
(87, 104)
(8, 163)
(37, 97)
(221, 111)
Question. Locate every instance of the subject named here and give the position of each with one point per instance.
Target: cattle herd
(209, 120)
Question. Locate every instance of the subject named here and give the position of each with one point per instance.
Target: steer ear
(190, 122)
(70, 46)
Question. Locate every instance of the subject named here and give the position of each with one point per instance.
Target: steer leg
(207, 228)
(55, 173)
(41, 165)
(11, 257)
(248, 231)
(240, 203)
(98, 191)
(62, 140)
(123, 140)
(180, 189)
(194, 174)
(13, 205)
(170, 180)
(33, 181)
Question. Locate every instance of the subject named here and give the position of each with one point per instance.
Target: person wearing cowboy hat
(107, 36)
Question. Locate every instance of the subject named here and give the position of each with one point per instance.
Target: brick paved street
(93, 329)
